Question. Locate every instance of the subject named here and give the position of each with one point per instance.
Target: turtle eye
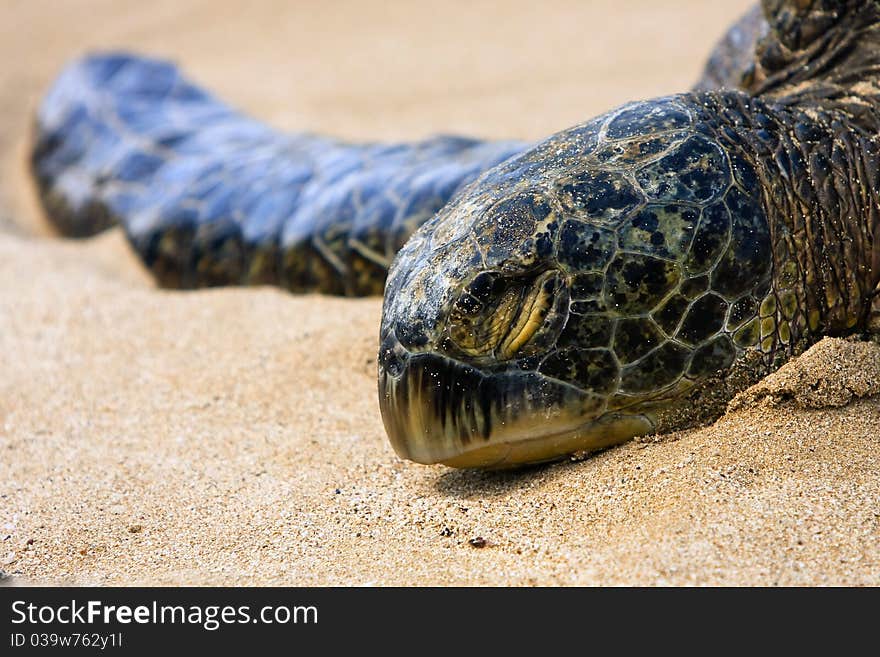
(479, 294)
(500, 316)
(485, 286)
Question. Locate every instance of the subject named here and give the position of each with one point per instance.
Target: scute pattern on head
(661, 244)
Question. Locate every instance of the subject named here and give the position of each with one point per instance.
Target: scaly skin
(675, 250)
(208, 196)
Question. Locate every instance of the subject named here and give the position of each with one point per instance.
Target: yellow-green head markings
(594, 293)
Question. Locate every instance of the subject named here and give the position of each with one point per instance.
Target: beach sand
(232, 436)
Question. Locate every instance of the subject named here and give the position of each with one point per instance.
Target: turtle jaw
(439, 410)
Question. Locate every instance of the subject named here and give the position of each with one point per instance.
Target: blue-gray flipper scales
(209, 196)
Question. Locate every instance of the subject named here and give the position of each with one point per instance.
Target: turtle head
(462, 346)
(569, 296)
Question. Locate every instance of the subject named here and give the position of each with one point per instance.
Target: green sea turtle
(625, 276)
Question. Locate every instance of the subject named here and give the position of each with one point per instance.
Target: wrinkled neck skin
(630, 275)
(809, 43)
(818, 71)
(816, 67)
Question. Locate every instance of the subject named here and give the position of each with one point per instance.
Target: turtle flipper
(731, 64)
(210, 197)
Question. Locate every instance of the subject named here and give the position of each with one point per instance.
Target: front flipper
(731, 64)
(208, 196)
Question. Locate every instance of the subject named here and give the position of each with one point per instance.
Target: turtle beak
(439, 410)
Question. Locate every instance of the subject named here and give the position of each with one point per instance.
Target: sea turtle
(625, 276)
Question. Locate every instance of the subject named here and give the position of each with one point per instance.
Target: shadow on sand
(466, 484)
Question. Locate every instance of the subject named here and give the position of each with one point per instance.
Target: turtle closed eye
(499, 317)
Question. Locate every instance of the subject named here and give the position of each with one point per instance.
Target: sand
(233, 436)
